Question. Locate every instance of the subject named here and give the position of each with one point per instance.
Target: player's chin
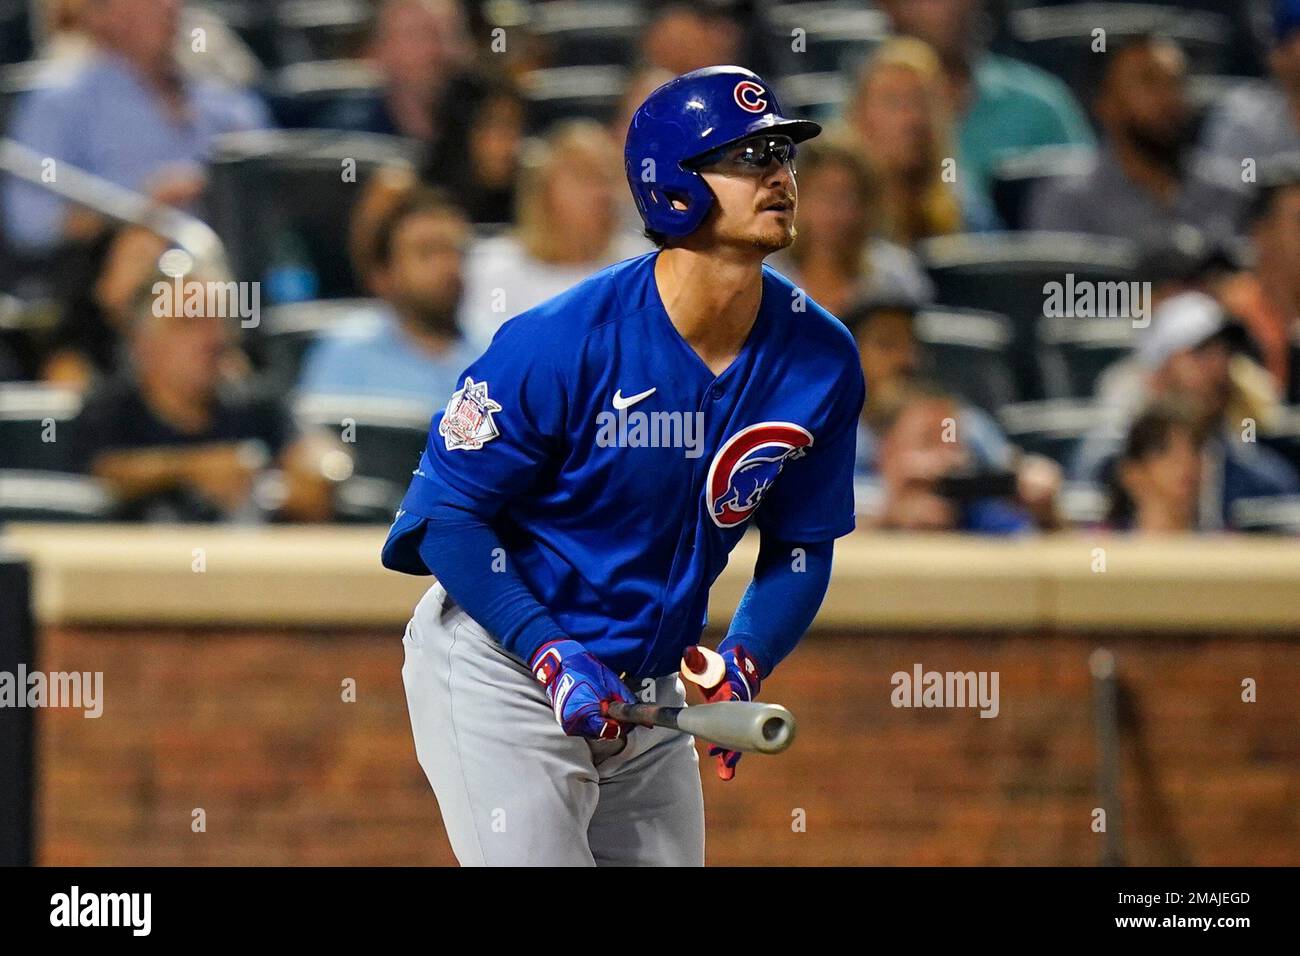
(773, 237)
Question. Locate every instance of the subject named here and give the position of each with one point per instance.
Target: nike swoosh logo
(621, 403)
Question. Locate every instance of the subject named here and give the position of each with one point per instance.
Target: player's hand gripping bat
(736, 725)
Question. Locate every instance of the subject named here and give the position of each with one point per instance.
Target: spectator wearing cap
(128, 114)
(1156, 481)
(901, 118)
(1187, 355)
(175, 439)
(837, 258)
(1261, 121)
(1002, 106)
(410, 348)
(1142, 186)
(570, 190)
(1267, 296)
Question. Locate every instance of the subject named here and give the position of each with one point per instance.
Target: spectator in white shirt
(569, 191)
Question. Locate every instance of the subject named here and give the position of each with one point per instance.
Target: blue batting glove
(741, 682)
(576, 685)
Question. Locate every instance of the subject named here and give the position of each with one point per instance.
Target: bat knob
(703, 667)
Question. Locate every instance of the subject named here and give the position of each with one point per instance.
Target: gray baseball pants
(513, 788)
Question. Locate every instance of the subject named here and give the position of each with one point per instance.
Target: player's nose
(778, 175)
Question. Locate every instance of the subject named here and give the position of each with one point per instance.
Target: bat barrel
(737, 725)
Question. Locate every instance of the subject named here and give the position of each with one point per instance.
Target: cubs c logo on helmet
(745, 467)
(749, 96)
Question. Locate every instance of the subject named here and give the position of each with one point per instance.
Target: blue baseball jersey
(619, 471)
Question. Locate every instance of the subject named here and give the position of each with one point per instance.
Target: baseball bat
(736, 725)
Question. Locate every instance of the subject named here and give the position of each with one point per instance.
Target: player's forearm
(470, 561)
(776, 610)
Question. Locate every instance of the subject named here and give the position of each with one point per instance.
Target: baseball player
(583, 487)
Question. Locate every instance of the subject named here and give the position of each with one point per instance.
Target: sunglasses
(749, 155)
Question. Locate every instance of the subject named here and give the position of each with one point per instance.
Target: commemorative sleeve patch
(467, 423)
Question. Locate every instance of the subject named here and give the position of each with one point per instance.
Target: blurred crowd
(399, 177)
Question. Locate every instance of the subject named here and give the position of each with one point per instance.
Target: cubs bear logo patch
(467, 422)
(747, 464)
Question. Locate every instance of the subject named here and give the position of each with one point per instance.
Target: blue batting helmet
(685, 118)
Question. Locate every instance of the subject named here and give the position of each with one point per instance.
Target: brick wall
(250, 726)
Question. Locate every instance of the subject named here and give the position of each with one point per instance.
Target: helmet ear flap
(672, 203)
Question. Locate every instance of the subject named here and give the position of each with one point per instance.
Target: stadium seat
(310, 95)
(18, 79)
(1075, 352)
(823, 37)
(253, 21)
(818, 96)
(1010, 273)
(50, 496)
(1016, 177)
(1059, 39)
(1293, 387)
(36, 426)
(287, 331)
(1283, 435)
(967, 350)
(272, 188)
(305, 30)
(1052, 428)
(15, 30)
(572, 91)
(1279, 514)
(23, 327)
(385, 438)
(587, 32)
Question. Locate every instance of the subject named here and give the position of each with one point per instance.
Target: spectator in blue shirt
(1002, 106)
(410, 347)
(128, 113)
